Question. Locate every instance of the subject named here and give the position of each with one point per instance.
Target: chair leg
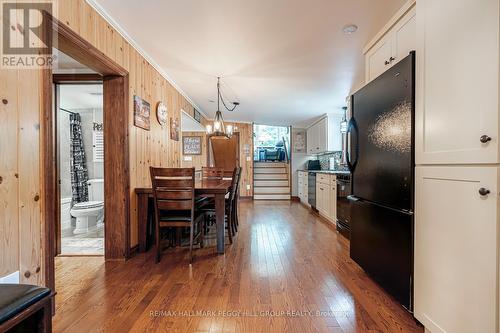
(202, 232)
(157, 242)
(229, 231)
(191, 234)
(235, 219)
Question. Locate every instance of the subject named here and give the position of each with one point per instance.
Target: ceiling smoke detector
(350, 29)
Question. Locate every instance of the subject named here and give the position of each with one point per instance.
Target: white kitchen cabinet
(326, 196)
(324, 135)
(303, 189)
(457, 95)
(396, 40)
(312, 142)
(456, 249)
(377, 59)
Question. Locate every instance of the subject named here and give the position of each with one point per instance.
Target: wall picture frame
(191, 145)
(142, 113)
(299, 140)
(197, 116)
(174, 129)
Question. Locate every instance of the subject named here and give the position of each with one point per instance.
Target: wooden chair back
(212, 173)
(234, 183)
(173, 189)
(238, 183)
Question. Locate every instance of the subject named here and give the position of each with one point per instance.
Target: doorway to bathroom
(80, 151)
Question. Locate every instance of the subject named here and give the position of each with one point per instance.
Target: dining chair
(230, 205)
(174, 204)
(212, 173)
(236, 200)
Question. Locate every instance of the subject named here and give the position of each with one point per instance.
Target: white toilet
(90, 215)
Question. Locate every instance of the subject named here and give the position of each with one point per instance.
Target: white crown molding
(98, 8)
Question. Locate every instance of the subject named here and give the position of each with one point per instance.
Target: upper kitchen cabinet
(457, 82)
(324, 135)
(393, 43)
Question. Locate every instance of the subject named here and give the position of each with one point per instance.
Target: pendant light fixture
(218, 128)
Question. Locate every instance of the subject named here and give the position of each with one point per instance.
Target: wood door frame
(116, 147)
(59, 80)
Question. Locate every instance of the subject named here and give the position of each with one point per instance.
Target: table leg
(220, 213)
(142, 220)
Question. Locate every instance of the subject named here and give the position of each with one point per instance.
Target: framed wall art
(299, 140)
(191, 145)
(142, 113)
(174, 129)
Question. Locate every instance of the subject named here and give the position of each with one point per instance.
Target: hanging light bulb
(209, 129)
(343, 123)
(218, 128)
(229, 130)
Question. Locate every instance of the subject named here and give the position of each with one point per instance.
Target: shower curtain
(78, 165)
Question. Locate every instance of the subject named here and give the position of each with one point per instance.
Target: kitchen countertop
(327, 171)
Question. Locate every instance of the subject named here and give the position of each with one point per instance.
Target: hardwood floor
(283, 259)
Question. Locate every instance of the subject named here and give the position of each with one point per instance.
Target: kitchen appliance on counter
(343, 204)
(381, 159)
(313, 165)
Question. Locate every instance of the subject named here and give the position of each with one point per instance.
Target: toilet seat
(88, 205)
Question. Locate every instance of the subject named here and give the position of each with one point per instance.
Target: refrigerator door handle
(352, 133)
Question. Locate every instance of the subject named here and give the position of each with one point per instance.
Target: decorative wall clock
(162, 113)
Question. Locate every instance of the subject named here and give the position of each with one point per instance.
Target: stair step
(269, 170)
(269, 165)
(270, 183)
(271, 190)
(271, 197)
(270, 176)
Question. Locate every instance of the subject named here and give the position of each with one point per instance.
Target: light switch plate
(248, 187)
(249, 159)
(188, 158)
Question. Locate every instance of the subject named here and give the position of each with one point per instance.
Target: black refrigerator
(381, 159)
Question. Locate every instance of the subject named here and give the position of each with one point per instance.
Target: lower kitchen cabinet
(303, 188)
(456, 249)
(326, 196)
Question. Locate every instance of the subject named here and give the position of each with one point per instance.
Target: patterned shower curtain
(79, 172)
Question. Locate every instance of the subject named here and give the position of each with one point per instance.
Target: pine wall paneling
(20, 195)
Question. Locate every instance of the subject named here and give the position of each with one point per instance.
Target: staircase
(271, 181)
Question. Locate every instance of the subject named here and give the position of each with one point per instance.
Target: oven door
(311, 193)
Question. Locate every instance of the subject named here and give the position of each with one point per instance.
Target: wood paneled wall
(20, 184)
(246, 157)
(21, 195)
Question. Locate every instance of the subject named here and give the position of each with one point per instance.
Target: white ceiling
(286, 61)
(80, 96)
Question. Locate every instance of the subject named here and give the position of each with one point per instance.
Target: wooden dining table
(203, 188)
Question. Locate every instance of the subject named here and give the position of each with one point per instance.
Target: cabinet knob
(483, 192)
(484, 139)
(391, 59)
(387, 62)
